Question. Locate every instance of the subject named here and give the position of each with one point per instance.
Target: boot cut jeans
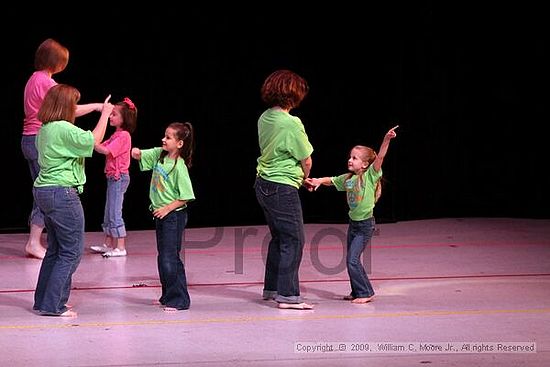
(169, 231)
(283, 212)
(64, 220)
(359, 236)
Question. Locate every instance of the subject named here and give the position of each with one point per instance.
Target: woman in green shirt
(284, 163)
(61, 150)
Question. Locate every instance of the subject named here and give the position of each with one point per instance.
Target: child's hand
(311, 184)
(391, 133)
(161, 212)
(136, 153)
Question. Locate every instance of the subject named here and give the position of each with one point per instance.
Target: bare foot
(296, 306)
(36, 251)
(362, 300)
(69, 313)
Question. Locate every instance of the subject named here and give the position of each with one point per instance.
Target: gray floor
(481, 285)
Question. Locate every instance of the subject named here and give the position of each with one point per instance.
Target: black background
(468, 87)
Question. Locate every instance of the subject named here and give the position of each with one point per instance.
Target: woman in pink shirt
(50, 58)
(117, 162)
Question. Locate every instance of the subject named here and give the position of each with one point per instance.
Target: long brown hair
(59, 104)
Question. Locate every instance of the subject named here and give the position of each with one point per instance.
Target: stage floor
(480, 286)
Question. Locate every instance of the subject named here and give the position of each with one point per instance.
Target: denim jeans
(359, 236)
(283, 212)
(64, 220)
(169, 231)
(113, 223)
(30, 153)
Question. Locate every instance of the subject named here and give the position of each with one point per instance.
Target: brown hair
(51, 56)
(129, 116)
(285, 89)
(59, 104)
(184, 132)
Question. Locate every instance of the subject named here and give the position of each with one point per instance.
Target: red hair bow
(129, 102)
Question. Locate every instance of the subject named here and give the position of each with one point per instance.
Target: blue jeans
(359, 236)
(283, 213)
(169, 231)
(64, 220)
(113, 224)
(30, 153)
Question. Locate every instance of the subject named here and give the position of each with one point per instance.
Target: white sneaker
(101, 249)
(114, 253)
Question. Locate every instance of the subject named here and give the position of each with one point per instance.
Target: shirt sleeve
(80, 143)
(183, 183)
(149, 158)
(298, 142)
(338, 182)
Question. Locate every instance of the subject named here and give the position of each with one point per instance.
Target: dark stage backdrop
(468, 88)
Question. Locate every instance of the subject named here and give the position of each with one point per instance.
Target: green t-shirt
(283, 144)
(168, 183)
(360, 195)
(62, 147)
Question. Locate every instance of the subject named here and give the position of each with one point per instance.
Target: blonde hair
(367, 155)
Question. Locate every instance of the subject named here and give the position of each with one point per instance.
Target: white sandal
(115, 253)
(101, 249)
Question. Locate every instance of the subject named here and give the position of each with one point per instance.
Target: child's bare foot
(362, 300)
(35, 251)
(296, 306)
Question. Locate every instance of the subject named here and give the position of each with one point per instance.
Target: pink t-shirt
(117, 161)
(37, 86)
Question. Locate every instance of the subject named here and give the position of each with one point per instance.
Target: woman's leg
(33, 247)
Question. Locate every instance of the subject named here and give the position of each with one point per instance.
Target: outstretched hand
(136, 153)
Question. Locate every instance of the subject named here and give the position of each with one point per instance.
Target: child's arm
(165, 210)
(136, 153)
(314, 183)
(377, 164)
